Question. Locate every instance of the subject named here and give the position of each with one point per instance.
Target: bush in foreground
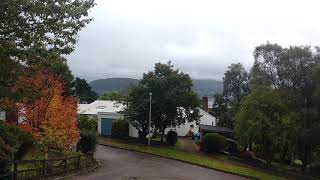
(16, 138)
(87, 123)
(87, 143)
(213, 142)
(172, 138)
(120, 128)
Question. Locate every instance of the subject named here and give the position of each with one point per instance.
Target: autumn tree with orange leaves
(50, 116)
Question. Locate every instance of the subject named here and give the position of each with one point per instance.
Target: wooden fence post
(14, 174)
(44, 167)
(65, 165)
(78, 162)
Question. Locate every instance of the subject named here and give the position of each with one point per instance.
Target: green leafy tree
(290, 71)
(173, 101)
(136, 111)
(264, 119)
(31, 28)
(220, 111)
(235, 82)
(112, 96)
(235, 86)
(36, 33)
(84, 92)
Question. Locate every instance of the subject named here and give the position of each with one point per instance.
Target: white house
(108, 111)
(105, 111)
(182, 130)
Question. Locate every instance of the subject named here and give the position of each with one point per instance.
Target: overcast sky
(201, 38)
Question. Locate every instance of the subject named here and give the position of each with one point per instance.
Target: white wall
(2, 115)
(133, 132)
(183, 130)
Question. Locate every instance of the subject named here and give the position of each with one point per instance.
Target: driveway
(120, 164)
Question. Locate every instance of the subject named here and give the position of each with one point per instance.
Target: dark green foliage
(34, 35)
(120, 128)
(84, 92)
(293, 73)
(172, 138)
(16, 138)
(88, 142)
(112, 96)
(265, 120)
(173, 101)
(220, 111)
(136, 109)
(87, 123)
(33, 28)
(235, 86)
(213, 142)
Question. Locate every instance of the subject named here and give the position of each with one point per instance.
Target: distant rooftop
(100, 106)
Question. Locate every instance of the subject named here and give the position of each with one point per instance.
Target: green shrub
(259, 151)
(213, 142)
(87, 143)
(297, 163)
(18, 140)
(172, 138)
(120, 128)
(87, 123)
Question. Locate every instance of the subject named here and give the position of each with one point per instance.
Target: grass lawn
(177, 154)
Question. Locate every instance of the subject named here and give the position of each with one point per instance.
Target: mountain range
(203, 87)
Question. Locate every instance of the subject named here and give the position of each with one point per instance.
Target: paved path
(188, 145)
(127, 165)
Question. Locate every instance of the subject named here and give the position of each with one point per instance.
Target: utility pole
(150, 94)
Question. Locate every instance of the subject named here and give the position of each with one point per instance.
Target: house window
(2, 115)
(101, 107)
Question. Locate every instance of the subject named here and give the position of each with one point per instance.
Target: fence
(26, 169)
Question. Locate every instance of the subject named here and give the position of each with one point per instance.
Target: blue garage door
(106, 125)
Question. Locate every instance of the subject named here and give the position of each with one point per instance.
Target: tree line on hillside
(275, 107)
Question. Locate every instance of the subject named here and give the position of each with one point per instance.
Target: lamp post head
(150, 94)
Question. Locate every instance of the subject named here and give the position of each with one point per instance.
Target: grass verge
(174, 153)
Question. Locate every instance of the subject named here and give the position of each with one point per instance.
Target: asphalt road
(120, 164)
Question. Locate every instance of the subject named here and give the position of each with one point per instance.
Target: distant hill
(101, 86)
(203, 87)
(207, 87)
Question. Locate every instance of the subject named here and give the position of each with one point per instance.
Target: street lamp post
(150, 94)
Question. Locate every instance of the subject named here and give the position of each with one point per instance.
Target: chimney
(205, 103)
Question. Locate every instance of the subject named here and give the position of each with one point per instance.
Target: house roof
(100, 106)
(215, 128)
(206, 118)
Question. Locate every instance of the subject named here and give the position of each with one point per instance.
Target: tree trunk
(305, 158)
(250, 146)
(284, 152)
(162, 134)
